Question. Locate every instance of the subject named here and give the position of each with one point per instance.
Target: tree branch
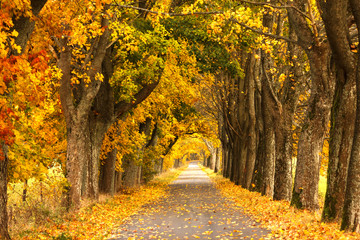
(168, 14)
(124, 106)
(221, 12)
(263, 33)
(277, 7)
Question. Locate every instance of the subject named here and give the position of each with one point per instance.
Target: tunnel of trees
(113, 92)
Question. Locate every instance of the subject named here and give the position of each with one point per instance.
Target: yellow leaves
(282, 78)
(99, 77)
(284, 221)
(95, 220)
(207, 233)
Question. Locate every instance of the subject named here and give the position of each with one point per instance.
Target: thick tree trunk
(118, 181)
(4, 234)
(341, 137)
(131, 173)
(92, 188)
(351, 211)
(76, 152)
(336, 19)
(251, 140)
(76, 102)
(268, 170)
(270, 108)
(257, 178)
(305, 192)
(235, 160)
(351, 214)
(107, 181)
(289, 98)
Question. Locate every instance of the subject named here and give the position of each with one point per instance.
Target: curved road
(194, 210)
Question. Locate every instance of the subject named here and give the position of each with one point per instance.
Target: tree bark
(268, 171)
(131, 173)
(76, 106)
(351, 211)
(270, 109)
(351, 214)
(4, 234)
(336, 19)
(25, 26)
(101, 117)
(289, 98)
(212, 151)
(107, 181)
(218, 160)
(305, 191)
(251, 140)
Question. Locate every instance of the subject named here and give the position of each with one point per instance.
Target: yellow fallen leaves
(98, 220)
(285, 222)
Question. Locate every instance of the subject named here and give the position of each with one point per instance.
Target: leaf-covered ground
(194, 209)
(285, 222)
(97, 220)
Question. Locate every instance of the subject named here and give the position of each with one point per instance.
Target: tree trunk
(305, 192)
(270, 108)
(107, 181)
(268, 170)
(351, 211)
(341, 137)
(76, 157)
(158, 165)
(235, 160)
(131, 173)
(218, 160)
(118, 181)
(289, 98)
(76, 102)
(351, 215)
(212, 151)
(256, 181)
(4, 234)
(251, 140)
(336, 19)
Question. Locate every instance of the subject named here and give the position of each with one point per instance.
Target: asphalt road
(194, 210)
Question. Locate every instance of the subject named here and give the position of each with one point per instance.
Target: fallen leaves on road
(96, 221)
(285, 222)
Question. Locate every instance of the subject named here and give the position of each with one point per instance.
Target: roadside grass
(97, 220)
(284, 221)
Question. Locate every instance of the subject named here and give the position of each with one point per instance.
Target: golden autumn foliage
(285, 222)
(97, 220)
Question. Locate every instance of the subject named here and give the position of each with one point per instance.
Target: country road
(194, 209)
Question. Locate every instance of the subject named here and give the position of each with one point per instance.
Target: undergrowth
(97, 220)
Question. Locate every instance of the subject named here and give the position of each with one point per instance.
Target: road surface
(194, 209)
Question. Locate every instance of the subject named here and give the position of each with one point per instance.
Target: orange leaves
(284, 221)
(99, 219)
